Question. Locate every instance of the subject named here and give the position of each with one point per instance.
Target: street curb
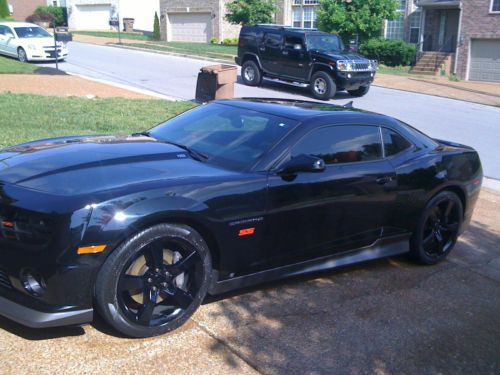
(129, 88)
(491, 183)
(455, 87)
(194, 57)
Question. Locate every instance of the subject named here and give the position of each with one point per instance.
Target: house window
(297, 17)
(311, 2)
(297, 2)
(402, 6)
(415, 26)
(495, 5)
(395, 29)
(310, 18)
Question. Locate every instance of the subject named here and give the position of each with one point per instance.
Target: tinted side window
(393, 142)
(291, 41)
(2, 30)
(342, 144)
(273, 40)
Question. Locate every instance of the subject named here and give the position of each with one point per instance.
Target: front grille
(360, 66)
(24, 228)
(4, 280)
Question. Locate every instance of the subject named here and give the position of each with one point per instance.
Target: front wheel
(438, 228)
(21, 55)
(155, 281)
(322, 86)
(251, 74)
(362, 90)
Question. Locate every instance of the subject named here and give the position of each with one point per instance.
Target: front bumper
(39, 319)
(46, 55)
(354, 80)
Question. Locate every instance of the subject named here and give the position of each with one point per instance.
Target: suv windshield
(31, 32)
(324, 43)
(228, 136)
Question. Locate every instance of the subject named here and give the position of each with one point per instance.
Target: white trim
(491, 11)
(468, 59)
(459, 39)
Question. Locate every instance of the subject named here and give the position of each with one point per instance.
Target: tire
(322, 86)
(437, 229)
(21, 55)
(154, 281)
(362, 90)
(251, 74)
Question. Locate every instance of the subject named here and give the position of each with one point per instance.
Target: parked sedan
(29, 42)
(230, 194)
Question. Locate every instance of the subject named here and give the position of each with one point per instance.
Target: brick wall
(477, 23)
(24, 8)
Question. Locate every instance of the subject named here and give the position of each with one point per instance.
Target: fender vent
(4, 280)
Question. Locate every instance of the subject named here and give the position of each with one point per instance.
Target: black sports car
(230, 194)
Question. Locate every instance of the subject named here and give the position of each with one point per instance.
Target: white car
(29, 42)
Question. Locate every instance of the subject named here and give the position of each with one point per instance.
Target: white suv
(29, 42)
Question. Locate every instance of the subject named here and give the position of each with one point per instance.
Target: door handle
(382, 180)
(262, 49)
(284, 52)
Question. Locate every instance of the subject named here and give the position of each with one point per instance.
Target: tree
(250, 12)
(4, 9)
(350, 17)
(59, 13)
(156, 28)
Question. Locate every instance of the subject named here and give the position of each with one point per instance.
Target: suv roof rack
(276, 26)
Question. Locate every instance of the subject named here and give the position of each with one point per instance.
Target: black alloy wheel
(155, 281)
(251, 74)
(438, 228)
(322, 86)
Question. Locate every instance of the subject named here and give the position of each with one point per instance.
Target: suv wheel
(322, 86)
(359, 92)
(154, 281)
(251, 74)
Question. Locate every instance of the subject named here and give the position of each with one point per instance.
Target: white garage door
(190, 27)
(92, 17)
(485, 60)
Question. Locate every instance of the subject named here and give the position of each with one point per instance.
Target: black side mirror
(303, 163)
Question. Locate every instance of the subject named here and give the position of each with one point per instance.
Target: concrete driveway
(386, 317)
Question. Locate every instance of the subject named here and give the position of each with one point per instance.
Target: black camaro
(224, 196)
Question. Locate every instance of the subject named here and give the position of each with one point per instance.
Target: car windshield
(324, 43)
(31, 32)
(226, 135)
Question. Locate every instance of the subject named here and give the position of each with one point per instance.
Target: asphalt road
(463, 122)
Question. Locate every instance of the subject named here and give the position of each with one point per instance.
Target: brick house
(23, 8)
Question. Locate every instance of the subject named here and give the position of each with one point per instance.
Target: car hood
(39, 42)
(342, 56)
(82, 165)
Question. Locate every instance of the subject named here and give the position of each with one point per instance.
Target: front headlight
(373, 65)
(344, 65)
(32, 47)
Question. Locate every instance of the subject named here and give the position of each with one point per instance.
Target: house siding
(24, 8)
(477, 23)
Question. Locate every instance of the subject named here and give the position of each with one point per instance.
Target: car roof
(303, 110)
(18, 24)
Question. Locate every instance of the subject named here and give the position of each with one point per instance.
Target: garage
(190, 27)
(92, 17)
(485, 60)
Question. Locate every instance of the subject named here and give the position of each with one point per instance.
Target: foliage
(41, 17)
(389, 52)
(214, 40)
(453, 78)
(230, 41)
(156, 28)
(250, 12)
(62, 116)
(4, 9)
(11, 66)
(59, 13)
(355, 17)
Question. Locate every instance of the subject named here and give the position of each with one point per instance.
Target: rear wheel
(21, 55)
(251, 74)
(322, 86)
(362, 90)
(438, 228)
(155, 281)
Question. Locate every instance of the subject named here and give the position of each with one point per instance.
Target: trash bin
(216, 82)
(128, 25)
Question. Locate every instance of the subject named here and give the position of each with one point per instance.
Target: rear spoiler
(452, 144)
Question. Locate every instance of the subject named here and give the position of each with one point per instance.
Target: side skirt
(382, 248)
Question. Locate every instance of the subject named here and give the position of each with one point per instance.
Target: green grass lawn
(198, 49)
(29, 117)
(395, 70)
(113, 34)
(11, 66)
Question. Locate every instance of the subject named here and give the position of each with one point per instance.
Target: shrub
(214, 41)
(156, 28)
(389, 52)
(230, 41)
(59, 13)
(4, 9)
(41, 17)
